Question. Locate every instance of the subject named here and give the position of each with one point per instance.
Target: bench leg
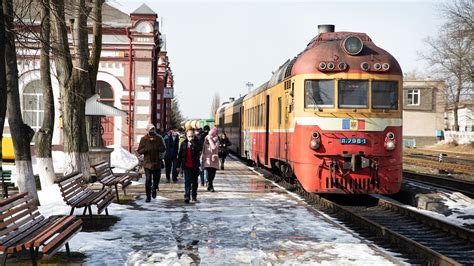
(72, 211)
(90, 211)
(106, 212)
(116, 192)
(68, 251)
(33, 256)
(4, 259)
(85, 210)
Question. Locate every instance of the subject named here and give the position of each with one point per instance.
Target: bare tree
(22, 134)
(451, 54)
(75, 77)
(460, 13)
(3, 84)
(216, 101)
(94, 60)
(44, 136)
(175, 115)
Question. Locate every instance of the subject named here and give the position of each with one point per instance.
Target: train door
(280, 118)
(267, 127)
(241, 134)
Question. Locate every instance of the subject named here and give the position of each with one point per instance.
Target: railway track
(465, 187)
(452, 166)
(421, 238)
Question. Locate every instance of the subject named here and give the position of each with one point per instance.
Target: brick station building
(134, 76)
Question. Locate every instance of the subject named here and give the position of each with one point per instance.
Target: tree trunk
(73, 80)
(95, 121)
(22, 134)
(456, 101)
(3, 84)
(44, 136)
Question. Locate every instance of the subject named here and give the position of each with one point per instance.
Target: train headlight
(342, 66)
(386, 66)
(390, 142)
(377, 66)
(352, 45)
(315, 142)
(365, 66)
(322, 65)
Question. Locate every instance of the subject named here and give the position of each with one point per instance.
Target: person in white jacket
(210, 157)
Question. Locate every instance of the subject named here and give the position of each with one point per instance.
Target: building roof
(144, 10)
(112, 16)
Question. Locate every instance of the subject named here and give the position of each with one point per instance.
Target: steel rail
(465, 187)
(403, 242)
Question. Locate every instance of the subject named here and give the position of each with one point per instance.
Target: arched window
(33, 106)
(144, 27)
(106, 94)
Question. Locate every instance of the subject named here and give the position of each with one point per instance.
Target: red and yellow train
(330, 117)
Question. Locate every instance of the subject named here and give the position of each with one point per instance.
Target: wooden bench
(23, 228)
(77, 194)
(106, 177)
(6, 176)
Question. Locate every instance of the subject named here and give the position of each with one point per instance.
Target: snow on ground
(122, 160)
(245, 222)
(461, 206)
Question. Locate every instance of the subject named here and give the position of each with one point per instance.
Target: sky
(216, 47)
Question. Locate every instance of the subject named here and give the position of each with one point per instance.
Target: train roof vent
(326, 28)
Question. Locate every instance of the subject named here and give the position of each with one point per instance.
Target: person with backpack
(152, 146)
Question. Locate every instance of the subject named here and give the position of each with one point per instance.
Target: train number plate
(360, 141)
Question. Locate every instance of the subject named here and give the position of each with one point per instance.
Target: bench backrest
(103, 170)
(72, 187)
(17, 212)
(6, 176)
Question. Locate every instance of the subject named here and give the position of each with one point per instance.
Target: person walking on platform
(210, 157)
(152, 147)
(172, 145)
(202, 135)
(189, 160)
(224, 144)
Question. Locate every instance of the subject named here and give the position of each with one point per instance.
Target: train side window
(353, 93)
(384, 94)
(318, 93)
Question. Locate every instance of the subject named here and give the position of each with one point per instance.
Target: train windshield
(384, 94)
(318, 93)
(353, 93)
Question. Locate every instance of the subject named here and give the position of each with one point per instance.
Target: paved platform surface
(248, 220)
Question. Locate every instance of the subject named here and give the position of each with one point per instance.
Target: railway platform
(248, 220)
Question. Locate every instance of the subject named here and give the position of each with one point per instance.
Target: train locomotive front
(331, 117)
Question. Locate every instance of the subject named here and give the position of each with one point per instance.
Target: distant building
(423, 111)
(465, 116)
(133, 62)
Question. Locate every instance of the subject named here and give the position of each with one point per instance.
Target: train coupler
(355, 162)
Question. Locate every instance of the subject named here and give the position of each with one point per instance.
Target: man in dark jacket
(172, 144)
(189, 157)
(152, 147)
